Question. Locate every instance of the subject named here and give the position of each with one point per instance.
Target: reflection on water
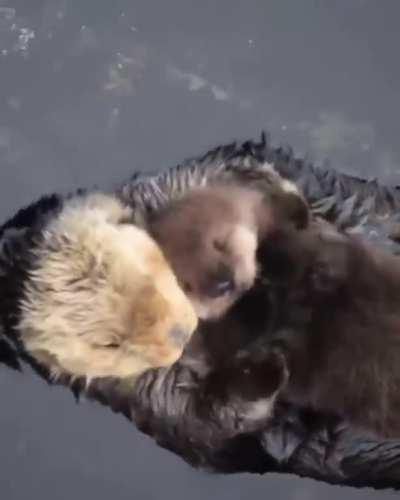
(91, 90)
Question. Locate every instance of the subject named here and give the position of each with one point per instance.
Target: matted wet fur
(99, 299)
(176, 408)
(339, 325)
(337, 320)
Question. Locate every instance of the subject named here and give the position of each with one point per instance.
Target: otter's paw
(260, 374)
(256, 381)
(251, 376)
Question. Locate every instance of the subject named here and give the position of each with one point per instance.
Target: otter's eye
(112, 345)
(187, 287)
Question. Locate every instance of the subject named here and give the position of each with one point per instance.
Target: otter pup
(210, 237)
(98, 298)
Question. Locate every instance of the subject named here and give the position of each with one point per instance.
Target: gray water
(91, 90)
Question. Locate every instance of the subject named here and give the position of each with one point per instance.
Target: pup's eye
(187, 287)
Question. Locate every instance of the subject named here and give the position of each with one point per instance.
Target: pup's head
(102, 301)
(210, 237)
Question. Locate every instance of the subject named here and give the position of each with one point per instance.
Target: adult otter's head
(210, 237)
(101, 300)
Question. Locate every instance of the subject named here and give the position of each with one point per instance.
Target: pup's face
(210, 237)
(103, 301)
(218, 269)
(210, 240)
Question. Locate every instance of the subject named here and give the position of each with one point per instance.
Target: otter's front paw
(260, 374)
(251, 376)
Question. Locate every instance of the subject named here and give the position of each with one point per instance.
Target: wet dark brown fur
(337, 299)
(210, 237)
(342, 336)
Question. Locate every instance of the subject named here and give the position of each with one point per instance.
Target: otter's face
(103, 301)
(210, 238)
(215, 265)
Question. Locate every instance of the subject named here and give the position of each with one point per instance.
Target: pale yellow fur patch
(102, 300)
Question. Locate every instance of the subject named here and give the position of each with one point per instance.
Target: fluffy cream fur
(102, 300)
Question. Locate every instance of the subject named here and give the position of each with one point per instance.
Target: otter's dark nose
(178, 336)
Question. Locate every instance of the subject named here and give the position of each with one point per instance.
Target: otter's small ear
(295, 208)
(292, 207)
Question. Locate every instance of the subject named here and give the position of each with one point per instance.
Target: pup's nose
(221, 284)
(179, 336)
(222, 287)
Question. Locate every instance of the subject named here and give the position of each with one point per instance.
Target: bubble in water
(24, 38)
